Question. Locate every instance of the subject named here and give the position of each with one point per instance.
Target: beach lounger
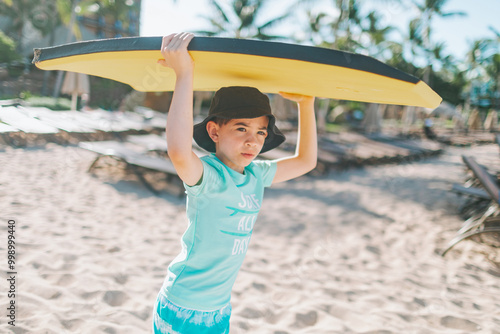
(153, 142)
(153, 118)
(415, 147)
(5, 128)
(58, 119)
(125, 121)
(497, 139)
(15, 118)
(135, 157)
(27, 129)
(97, 122)
(12, 102)
(484, 222)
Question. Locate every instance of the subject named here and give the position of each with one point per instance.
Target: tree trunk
(321, 114)
(372, 122)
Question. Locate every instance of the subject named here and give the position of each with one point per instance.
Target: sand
(349, 252)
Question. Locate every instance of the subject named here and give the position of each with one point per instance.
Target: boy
(224, 190)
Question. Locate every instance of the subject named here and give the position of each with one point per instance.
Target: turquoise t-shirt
(221, 211)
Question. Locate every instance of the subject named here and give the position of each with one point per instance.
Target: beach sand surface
(350, 252)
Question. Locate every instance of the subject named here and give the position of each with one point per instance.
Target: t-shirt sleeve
(210, 178)
(267, 170)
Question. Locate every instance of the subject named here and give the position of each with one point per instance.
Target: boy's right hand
(174, 50)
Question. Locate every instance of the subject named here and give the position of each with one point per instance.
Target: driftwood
(485, 218)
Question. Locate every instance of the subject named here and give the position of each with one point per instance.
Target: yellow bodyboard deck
(269, 66)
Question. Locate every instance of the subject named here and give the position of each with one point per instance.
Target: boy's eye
(263, 133)
(241, 129)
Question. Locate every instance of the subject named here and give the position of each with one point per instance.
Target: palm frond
(219, 10)
(453, 14)
(496, 32)
(275, 21)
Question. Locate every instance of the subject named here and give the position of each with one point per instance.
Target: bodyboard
(219, 62)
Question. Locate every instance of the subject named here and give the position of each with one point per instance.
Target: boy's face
(239, 141)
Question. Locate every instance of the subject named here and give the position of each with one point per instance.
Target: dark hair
(221, 121)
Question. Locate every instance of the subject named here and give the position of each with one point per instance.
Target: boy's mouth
(248, 155)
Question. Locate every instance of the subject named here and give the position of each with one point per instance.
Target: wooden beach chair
(5, 131)
(486, 222)
(136, 158)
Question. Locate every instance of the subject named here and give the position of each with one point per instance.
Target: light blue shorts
(169, 318)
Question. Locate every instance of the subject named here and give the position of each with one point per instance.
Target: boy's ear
(213, 131)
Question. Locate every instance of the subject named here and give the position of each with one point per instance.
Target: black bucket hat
(239, 102)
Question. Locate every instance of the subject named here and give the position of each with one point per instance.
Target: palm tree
(347, 31)
(476, 59)
(493, 68)
(344, 28)
(378, 47)
(241, 20)
(314, 27)
(339, 31)
(420, 28)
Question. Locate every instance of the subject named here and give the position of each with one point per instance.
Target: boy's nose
(251, 140)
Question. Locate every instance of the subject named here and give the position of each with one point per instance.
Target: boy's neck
(221, 160)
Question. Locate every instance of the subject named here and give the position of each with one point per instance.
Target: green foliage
(48, 102)
(8, 49)
(118, 9)
(107, 94)
(331, 127)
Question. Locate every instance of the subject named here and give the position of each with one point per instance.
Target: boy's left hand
(297, 97)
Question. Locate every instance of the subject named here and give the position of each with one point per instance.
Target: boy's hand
(174, 50)
(301, 99)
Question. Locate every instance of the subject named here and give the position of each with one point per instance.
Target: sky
(162, 17)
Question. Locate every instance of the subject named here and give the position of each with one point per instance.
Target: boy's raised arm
(179, 127)
(306, 153)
